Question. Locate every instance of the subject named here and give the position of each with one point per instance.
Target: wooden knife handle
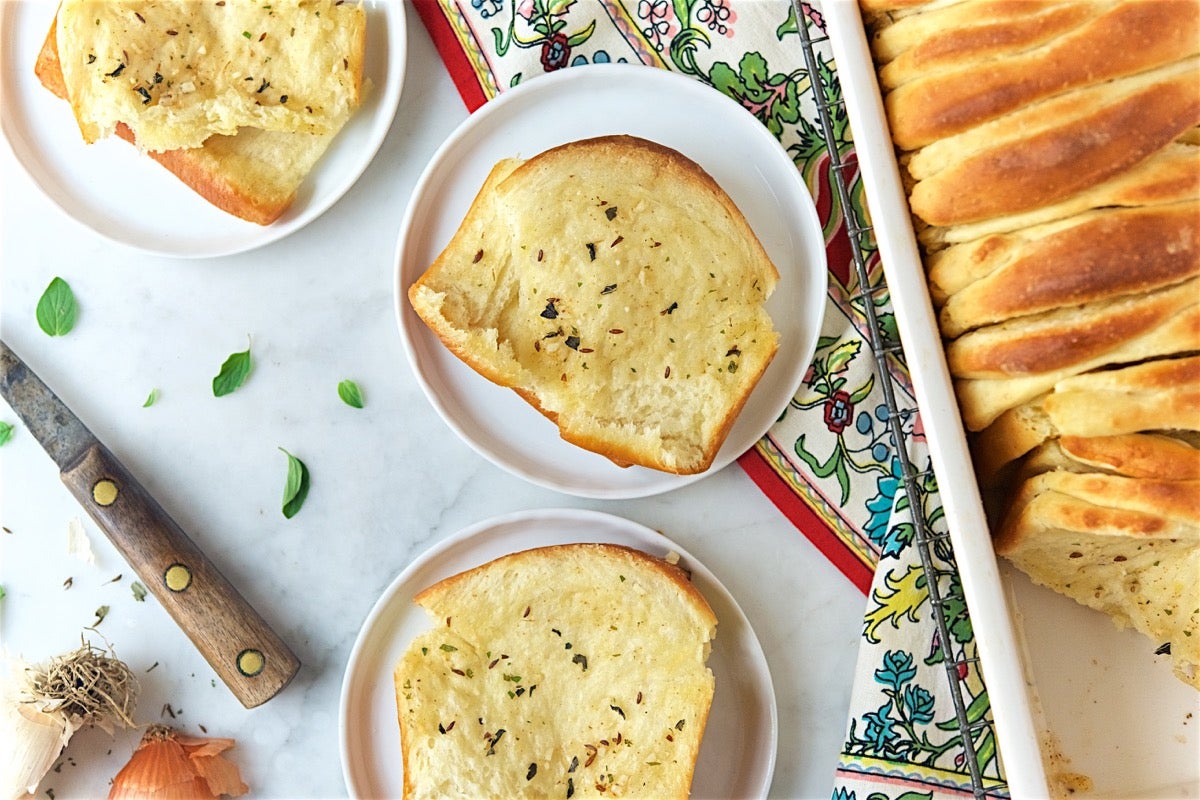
(250, 658)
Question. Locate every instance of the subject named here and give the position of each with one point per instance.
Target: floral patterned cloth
(829, 462)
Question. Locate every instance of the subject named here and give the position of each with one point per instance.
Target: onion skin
(168, 765)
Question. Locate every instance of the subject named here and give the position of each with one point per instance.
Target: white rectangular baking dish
(1079, 706)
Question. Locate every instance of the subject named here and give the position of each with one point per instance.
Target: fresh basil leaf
(233, 373)
(56, 309)
(150, 398)
(139, 591)
(350, 393)
(6, 432)
(296, 487)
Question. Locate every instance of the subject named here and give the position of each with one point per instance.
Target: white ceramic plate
(130, 199)
(737, 756)
(595, 100)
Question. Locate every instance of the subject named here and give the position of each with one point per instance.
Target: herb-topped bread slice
(562, 671)
(616, 287)
(179, 71)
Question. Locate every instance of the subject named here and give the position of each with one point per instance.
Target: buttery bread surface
(178, 71)
(617, 288)
(254, 173)
(569, 670)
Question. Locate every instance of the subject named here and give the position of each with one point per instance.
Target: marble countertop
(388, 481)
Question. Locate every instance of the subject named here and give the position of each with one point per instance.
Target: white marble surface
(388, 481)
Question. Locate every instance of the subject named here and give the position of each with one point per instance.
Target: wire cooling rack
(882, 348)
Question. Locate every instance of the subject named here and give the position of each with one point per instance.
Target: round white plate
(129, 198)
(737, 755)
(595, 100)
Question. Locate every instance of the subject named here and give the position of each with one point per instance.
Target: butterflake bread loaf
(563, 671)
(238, 99)
(1050, 149)
(616, 287)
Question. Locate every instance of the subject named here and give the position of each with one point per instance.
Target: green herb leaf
(6, 432)
(150, 398)
(350, 393)
(2, 593)
(233, 373)
(139, 591)
(101, 613)
(56, 309)
(296, 488)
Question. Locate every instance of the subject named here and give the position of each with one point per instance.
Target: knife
(248, 656)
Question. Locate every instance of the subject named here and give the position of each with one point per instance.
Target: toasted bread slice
(1128, 547)
(254, 175)
(177, 71)
(616, 287)
(568, 670)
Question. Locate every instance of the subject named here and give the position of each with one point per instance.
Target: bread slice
(254, 175)
(1125, 546)
(613, 285)
(1003, 365)
(1111, 252)
(178, 71)
(568, 670)
(1157, 456)
(1168, 176)
(1156, 395)
(941, 38)
(1048, 151)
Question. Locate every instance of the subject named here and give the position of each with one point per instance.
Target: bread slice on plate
(618, 289)
(567, 670)
(178, 71)
(1128, 547)
(253, 173)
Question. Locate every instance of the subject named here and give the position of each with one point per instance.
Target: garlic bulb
(42, 706)
(30, 740)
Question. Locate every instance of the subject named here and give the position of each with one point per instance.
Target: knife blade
(251, 659)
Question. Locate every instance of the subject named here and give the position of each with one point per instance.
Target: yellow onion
(168, 765)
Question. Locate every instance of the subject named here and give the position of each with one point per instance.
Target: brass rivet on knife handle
(177, 578)
(243, 650)
(105, 492)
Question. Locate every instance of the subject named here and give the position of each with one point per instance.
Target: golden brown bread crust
(963, 34)
(672, 572)
(1133, 455)
(1169, 176)
(1101, 255)
(1105, 131)
(956, 81)
(1068, 337)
